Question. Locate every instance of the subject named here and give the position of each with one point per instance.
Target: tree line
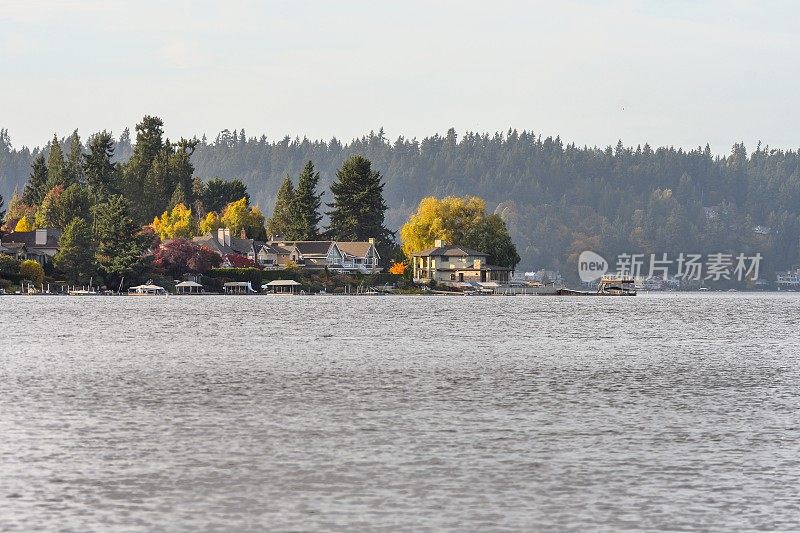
(556, 198)
(113, 212)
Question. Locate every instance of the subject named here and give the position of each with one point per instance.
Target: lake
(671, 411)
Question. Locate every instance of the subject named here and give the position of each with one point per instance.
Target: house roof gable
(450, 250)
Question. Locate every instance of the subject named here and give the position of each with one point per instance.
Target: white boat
(83, 292)
(148, 289)
(615, 285)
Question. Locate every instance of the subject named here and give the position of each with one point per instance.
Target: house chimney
(243, 234)
(438, 243)
(224, 236)
(372, 241)
(476, 264)
(41, 237)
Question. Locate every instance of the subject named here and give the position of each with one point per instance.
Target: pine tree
(36, 188)
(358, 205)
(75, 257)
(2, 211)
(56, 171)
(279, 221)
(304, 209)
(98, 166)
(136, 176)
(119, 248)
(73, 168)
(178, 197)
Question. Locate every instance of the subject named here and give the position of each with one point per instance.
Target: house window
(452, 277)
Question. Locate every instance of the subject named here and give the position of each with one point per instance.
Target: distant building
(41, 245)
(544, 276)
(762, 230)
(788, 280)
(456, 264)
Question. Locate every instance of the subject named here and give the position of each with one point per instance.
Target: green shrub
(9, 264)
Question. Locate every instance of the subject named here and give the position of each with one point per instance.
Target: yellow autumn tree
(23, 225)
(210, 223)
(238, 216)
(174, 224)
(447, 219)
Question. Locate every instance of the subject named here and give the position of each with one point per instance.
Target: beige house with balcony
(456, 264)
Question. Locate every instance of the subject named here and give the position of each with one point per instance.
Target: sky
(681, 73)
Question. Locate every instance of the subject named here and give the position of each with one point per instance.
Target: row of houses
(41, 245)
(349, 257)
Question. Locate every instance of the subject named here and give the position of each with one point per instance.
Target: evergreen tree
(61, 205)
(358, 207)
(218, 193)
(75, 257)
(279, 222)
(2, 211)
(149, 144)
(73, 168)
(119, 246)
(56, 171)
(178, 197)
(490, 235)
(36, 188)
(98, 165)
(304, 209)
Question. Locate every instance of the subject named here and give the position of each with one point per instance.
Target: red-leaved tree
(183, 256)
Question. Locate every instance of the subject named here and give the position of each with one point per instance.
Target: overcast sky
(665, 72)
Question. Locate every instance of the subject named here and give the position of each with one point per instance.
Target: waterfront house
(451, 264)
(337, 256)
(40, 245)
(224, 244)
(269, 257)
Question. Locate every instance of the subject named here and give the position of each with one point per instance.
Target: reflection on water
(676, 412)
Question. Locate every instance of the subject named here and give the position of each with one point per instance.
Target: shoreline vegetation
(556, 197)
(85, 219)
(122, 212)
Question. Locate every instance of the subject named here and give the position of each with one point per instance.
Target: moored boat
(616, 285)
(148, 289)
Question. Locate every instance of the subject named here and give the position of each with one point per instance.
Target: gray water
(671, 412)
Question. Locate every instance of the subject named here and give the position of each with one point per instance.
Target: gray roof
(270, 249)
(237, 246)
(29, 238)
(450, 250)
(306, 247)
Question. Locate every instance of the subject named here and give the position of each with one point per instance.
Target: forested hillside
(557, 199)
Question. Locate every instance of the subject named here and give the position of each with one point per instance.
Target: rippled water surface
(310, 413)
